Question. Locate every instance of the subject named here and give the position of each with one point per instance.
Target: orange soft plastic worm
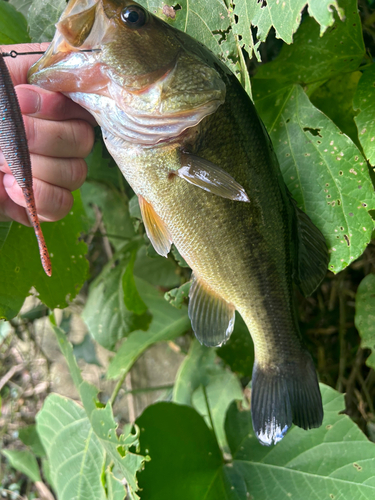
(13, 144)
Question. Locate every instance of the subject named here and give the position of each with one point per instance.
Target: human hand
(60, 135)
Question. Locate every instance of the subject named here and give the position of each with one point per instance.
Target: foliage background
(309, 68)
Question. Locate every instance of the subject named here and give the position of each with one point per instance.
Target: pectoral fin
(312, 258)
(208, 176)
(212, 318)
(156, 229)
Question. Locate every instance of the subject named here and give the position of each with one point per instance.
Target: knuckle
(77, 172)
(83, 137)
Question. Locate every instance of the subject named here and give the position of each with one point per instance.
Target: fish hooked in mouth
(190, 143)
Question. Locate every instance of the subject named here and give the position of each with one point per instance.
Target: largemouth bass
(189, 142)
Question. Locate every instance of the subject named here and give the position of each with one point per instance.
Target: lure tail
(13, 144)
(285, 394)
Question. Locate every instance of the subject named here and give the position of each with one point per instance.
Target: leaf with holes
(312, 58)
(325, 172)
(283, 16)
(365, 316)
(75, 454)
(363, 101)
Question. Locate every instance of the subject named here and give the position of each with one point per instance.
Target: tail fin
(282, 395)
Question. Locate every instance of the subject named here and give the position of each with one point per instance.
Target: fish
(190, 143)
(13, 144)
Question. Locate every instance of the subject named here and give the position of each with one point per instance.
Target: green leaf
(196, 369)
(312, 58)
(180, 260)
(167, 324)
(42, 17)
(23, 461)
(205, 385)
(325, 172)
(30, 437)
(74, 452)
(132, 299)
(22, 6)
(21, 269)
(86, 351)
(238, 352)
(177, 296)
(115, 488)
(102, 421)
(365, 316)
(213, 401)
(105, 313)
(114, 209)
(364, 102)
(13, 26)
(335, 461)
(185, 457)
(205, 21)
(334, 98)
(4, 231)
(156, 270)
(101, 166)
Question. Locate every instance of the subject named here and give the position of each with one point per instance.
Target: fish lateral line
(14, 53)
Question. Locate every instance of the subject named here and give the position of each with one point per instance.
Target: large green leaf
(325, 172)
(334, 461)
(4, 231)
(23, 461)
(42, 17)
(157, 270)
(13, 26)
(21, 268)
(365, 316)
(74, 452)
(22, 6)
(167, 324)
(363, 101)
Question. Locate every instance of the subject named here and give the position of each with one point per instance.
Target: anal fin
(212, 318)
(156, 229)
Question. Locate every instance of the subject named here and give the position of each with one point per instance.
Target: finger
(70, 138)
(20, 65)
(68, 173)
(8, 209)
(52, 202)
(41, 103)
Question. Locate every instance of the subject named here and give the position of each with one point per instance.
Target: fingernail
(29, 100)
(8, 180)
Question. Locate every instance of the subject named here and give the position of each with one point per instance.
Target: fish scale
(13, 144)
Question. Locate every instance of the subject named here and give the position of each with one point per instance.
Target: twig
(130, 397)
(15, 369)
(353, 374)
(116, 390)
(365, 392)
(210, 415)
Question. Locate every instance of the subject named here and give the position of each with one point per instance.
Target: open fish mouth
(65, 65)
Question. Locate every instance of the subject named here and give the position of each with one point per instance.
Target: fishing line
(14, 53)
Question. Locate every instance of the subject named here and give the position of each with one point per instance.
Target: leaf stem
(210, 415)
(116, 390)
(342, 335)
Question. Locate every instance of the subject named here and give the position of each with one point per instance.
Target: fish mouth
(74, 50)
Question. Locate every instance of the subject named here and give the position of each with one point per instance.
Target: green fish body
(190, 143)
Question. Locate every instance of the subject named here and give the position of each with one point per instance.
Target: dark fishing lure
(13, 144)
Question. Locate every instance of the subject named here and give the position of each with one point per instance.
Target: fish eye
(134, 16)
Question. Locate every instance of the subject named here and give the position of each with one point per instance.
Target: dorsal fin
(156, 229)
(212, 318)
(311, 258)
